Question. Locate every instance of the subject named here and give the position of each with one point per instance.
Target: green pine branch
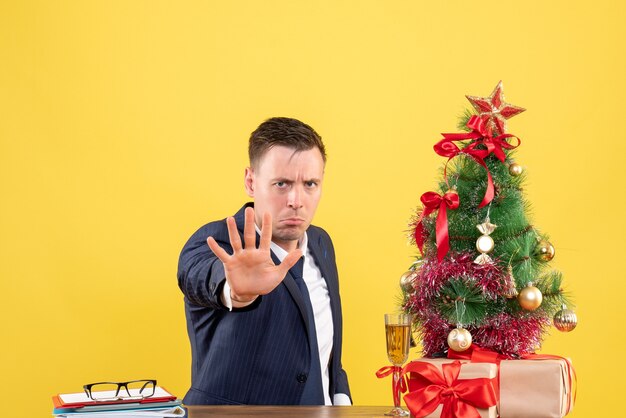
(463, 302)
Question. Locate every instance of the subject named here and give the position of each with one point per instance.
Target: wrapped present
(448, 388)
(539, 387)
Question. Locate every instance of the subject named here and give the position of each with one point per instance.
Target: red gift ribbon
(396, 387)
(480, 135)
(477, 354)
(433, 201)
(428, 388)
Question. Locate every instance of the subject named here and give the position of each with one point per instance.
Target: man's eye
(280, 184)
(310, 184)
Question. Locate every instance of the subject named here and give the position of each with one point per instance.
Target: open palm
(250, 271)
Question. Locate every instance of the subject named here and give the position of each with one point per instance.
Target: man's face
(288, 185)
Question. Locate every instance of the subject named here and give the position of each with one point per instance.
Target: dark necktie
(313, 390)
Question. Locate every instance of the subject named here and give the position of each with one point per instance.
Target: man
(261, 288)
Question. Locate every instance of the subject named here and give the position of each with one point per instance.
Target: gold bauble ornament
(544, 250)
(459, 339)
(565, 320)
(515, 169)
(530, 297)
(406, 281)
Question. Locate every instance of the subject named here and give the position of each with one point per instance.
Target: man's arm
(201, 275)
(342, 390)
(249, 270)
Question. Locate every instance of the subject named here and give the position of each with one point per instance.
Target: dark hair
(286, 132)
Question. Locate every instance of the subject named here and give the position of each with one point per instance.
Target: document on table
(176, 412)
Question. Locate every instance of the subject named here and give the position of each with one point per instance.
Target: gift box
(451, 388)
(536, 388)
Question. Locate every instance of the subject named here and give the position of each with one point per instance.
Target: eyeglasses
(111, 391)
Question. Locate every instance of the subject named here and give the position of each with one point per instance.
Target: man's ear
(249, 181)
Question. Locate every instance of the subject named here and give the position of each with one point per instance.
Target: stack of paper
(79, 405)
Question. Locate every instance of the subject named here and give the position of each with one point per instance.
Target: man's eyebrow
(288, 180)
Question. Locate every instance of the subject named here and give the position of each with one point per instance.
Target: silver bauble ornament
(565, 320)
(459, 339)
(407, 280)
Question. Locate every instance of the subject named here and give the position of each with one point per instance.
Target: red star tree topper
(494, 110)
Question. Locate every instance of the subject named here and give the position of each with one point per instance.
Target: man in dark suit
(261, 289)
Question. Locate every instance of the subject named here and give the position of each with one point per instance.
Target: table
(243, 411)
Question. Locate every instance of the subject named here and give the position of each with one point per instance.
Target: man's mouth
(292, 221)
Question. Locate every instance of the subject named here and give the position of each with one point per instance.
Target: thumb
(289, 261)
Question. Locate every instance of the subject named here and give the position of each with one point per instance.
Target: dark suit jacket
(259, 354)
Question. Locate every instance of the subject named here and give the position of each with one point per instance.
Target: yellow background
(124, 125)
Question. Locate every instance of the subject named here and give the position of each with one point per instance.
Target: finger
(217, 250)
(266, 232)
(289, 261)
(249, 231)
(233, 234)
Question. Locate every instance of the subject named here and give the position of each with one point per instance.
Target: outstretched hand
(250, 271)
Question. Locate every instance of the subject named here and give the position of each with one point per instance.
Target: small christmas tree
(483, 276)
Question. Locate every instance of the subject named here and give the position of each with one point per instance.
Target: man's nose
(295, 198)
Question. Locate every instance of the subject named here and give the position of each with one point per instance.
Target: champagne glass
(398, 331)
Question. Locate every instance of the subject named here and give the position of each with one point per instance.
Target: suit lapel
(321, 259)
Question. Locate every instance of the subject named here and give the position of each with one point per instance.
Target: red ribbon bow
(433, 201)
(480, 135)
(477, 354)
(396, 386)
(428, 388)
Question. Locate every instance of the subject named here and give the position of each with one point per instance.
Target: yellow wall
(123, 128)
